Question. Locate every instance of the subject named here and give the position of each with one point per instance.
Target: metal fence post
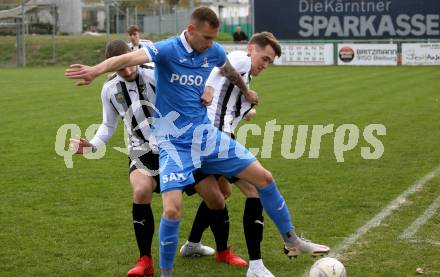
(117, 19)
(23, 35)
(135, 16)
(127, 17)
(107, 20)
(160, 16)
(18, 27)
(175, 19)
(54, 28)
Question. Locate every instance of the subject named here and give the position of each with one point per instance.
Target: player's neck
(185, 34)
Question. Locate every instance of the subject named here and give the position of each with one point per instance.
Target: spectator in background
(135, 38)
(239, 35)
(136, 42)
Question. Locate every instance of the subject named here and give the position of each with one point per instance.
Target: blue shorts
(211, 151)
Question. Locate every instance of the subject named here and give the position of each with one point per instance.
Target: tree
(9, 2)
(172, 3)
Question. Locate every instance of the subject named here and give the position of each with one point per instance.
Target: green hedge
(69, 49)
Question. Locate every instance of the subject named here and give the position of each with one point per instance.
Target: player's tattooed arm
(229, 72)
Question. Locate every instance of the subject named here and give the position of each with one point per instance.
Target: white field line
(421, 220)
(421, 241)
(378, 218)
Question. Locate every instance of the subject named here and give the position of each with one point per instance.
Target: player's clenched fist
(80, 146)
(252, 97)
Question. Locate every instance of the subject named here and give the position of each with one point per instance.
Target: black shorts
(148, 161)
(198, 176)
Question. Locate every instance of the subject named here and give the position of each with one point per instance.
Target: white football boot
(305, 247)
(257, 269)
(190, 249)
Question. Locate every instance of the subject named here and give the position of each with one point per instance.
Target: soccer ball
(327, 267)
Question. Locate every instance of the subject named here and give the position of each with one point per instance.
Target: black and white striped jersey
(142, 43)
(229, 105)
(133, 101)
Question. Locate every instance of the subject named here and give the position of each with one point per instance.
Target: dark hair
(205, 14)
(133, 29)
(264, 39)
(116, 48)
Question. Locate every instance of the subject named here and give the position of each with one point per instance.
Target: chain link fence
(19, 28)
(39, 32)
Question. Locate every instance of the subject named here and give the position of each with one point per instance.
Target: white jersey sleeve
(148, 73)
(240, 61)
(142, 43)
(109, 120)
(229, 105)
(214, 78)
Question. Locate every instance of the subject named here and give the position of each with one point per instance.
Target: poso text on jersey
(188, 80)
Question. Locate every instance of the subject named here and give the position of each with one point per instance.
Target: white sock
(255, 263)
(193, 244)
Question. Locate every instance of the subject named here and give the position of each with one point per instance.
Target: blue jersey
(181, 73)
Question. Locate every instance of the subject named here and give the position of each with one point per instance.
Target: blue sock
(276, 207)
(168, 239)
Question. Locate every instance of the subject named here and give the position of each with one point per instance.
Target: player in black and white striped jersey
(134, 33)
(227, 107)
(135, 38)
(130, 94)
(123, 96)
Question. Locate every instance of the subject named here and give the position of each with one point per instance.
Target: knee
(258, 176)
(226, 193)
(266, 177)
(249, 191)
(172, 213)
(225, 187)
(217, 203)
(142, 193)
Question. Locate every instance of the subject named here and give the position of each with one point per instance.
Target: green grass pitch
(56, 221)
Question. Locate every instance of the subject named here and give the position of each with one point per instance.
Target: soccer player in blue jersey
(187, 139)
(127, 95)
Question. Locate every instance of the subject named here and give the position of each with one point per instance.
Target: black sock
(143, 223)
(220, 228)
(201, 222)
(253, 227)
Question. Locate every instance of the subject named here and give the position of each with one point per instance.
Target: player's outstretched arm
(102, 136)
(104, 132)
(229, 72)
(86, 74)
